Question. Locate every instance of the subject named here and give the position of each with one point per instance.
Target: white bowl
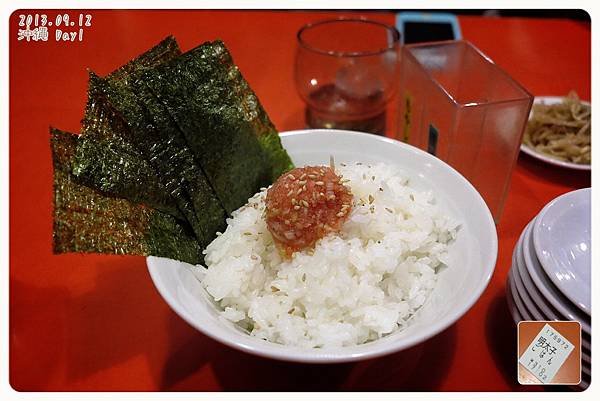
(472, 255)
(562, 242)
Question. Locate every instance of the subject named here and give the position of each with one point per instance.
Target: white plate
(546, 287)
(522, 290)
(472, 255)
(536, 297)
(514, 312)
(531, 310)
(521, 310)
(534, 311)
(537, 300)
(544, 157)
(511, 300)
(562, 242)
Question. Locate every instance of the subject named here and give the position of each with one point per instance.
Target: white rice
(355, 287)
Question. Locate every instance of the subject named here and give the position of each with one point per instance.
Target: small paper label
(546, 354)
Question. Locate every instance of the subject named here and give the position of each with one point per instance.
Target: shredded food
(561, 131)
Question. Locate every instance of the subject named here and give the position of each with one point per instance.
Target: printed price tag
(546, 353)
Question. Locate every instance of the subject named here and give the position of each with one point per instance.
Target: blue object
(417, 27)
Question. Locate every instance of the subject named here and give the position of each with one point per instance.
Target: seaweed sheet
(159, 140)
(180, 164)
(88, 221)
(106, 158)
(222, 121)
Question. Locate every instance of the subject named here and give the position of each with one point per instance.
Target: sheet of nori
(156, 136)
(166, 50)
(88, 221)
(222, 121)
(107, 159)
(115, 167)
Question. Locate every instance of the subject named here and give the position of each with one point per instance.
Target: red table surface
(94, 322)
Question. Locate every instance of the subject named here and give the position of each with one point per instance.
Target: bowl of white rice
(415, 253)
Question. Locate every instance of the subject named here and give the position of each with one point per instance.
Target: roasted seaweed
(159, 140)
(107, 157)
(87, 221)
(170, 144)
(222, 121)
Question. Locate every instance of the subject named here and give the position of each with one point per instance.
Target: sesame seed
(302, 182)
(319, 183)
(340, 214)
(293, 201)
(304, 187)
(296, 207)
(290, 193)
(321, 194)
(331, 197)
(312, 176)
(291, 177)
(305, 203)
(298, 192)
(303, 176)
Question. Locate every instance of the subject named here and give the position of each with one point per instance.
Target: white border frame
(6, 9)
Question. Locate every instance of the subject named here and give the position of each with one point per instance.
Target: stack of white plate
(551, 269)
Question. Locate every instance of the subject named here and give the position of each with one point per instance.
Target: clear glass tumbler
(346, 71)
(456, 103)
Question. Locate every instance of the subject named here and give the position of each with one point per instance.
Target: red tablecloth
(92, 322)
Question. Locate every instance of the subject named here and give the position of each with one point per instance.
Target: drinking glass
(457, 104)
(346, 71)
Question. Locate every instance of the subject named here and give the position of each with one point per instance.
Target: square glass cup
(457, 104)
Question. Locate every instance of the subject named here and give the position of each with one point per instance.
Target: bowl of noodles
(559, 131)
